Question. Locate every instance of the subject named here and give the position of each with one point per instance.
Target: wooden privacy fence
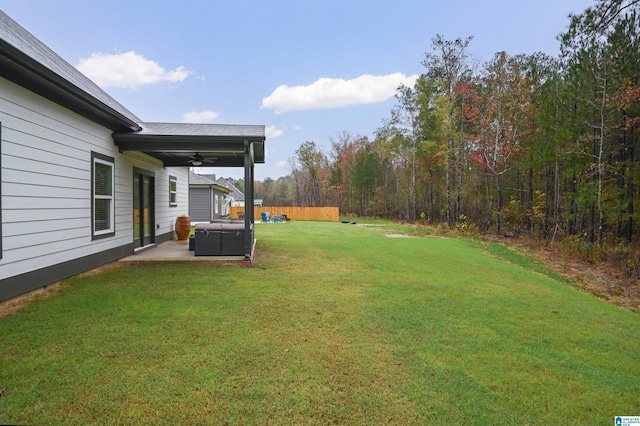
(330, 214)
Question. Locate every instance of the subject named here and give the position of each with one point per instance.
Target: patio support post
(248, 200)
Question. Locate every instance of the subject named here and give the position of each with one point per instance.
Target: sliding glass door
(143, 208)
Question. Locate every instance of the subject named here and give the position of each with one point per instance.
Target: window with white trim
(102, 196)
(173, 191)
(216, 204)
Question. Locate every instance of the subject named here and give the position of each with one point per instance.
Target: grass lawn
(335, 324)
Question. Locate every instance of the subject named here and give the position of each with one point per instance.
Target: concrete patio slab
(175, 250)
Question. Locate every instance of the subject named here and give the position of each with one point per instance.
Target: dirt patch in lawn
(100, 269)
(11, 306)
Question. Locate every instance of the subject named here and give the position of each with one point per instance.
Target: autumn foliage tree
(504, 118)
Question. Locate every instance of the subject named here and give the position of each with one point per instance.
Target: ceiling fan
(197, 160)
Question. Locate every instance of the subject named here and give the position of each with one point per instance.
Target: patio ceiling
(219, 145)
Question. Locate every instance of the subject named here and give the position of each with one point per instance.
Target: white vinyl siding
(165, 215)
(47, 184)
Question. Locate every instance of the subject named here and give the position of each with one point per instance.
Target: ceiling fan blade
(196, 160)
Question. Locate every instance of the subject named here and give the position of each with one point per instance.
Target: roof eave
(19, 68)
(211, 185)
(140, 138)
(150, 143)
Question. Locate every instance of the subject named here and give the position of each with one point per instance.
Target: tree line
(523, 143)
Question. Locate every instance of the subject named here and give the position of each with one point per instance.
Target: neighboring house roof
(235, 192)
(196, 179)
(199, 180)
(27, 61)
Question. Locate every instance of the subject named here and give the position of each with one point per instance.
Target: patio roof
(217, 145)
(175, 144)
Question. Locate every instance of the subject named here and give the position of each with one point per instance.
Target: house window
(173, 191)
(102, 194)
(216, 204)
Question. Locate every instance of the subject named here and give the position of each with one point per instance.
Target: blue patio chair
(265, 217)
(277, 219)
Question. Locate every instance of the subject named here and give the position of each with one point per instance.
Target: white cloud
(199, 117)
(336, 92)
(128, 70)
(297, 127)
(281, 163)
(273, 132)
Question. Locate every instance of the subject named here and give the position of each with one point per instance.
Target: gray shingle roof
(208, 180)
(15, 35)
(235, 192)
(196, 179)
(197, 129)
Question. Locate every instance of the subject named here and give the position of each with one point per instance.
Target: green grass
(335, 324)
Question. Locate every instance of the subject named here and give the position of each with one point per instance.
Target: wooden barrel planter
(183, 227)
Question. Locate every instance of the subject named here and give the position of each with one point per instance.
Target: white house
(83, 180)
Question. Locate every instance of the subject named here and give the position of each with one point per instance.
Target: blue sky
(306, 69)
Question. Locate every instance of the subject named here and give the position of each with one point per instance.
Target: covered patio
(204, 145)
(175, 250)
